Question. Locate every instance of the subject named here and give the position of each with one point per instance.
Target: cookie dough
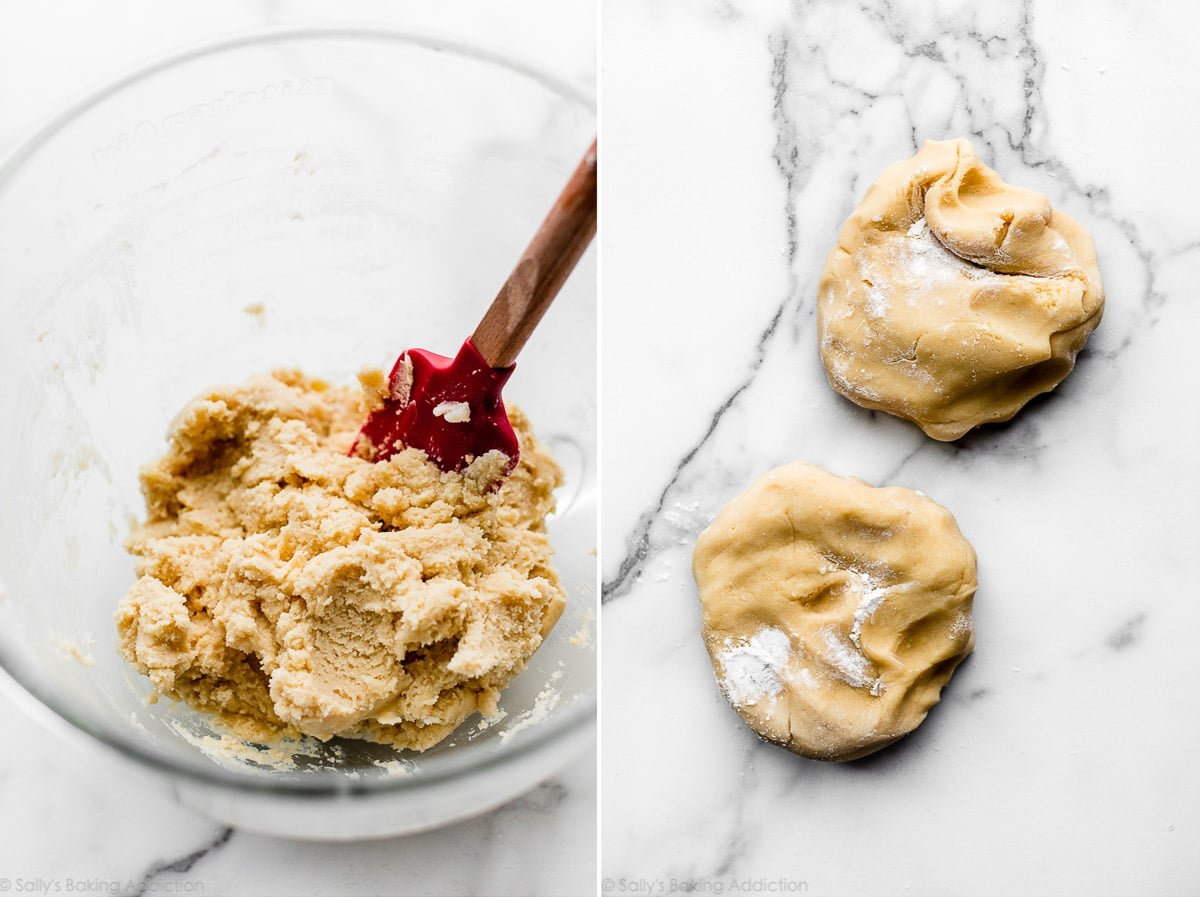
(953, 298)
(834, 612)
(288, 588)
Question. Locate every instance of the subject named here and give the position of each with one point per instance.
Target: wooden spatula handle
(539, 275)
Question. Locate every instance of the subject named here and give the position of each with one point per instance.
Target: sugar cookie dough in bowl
(953, 298)
(358, 652)
(288, 588)
(834, 612)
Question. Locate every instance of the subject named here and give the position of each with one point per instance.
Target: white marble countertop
(1062, 758)
(76, 819)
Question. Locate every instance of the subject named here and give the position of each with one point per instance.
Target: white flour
(923, 258)
(755, 669)
(543, 705)
(395, 769)
(840, 374)
(234, 753)
(911, 267)
(872, 595)
(961, 625)
(752, 669)
(877, 304)
(849, 664)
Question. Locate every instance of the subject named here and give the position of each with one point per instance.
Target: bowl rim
(11, 159)
(578, 713)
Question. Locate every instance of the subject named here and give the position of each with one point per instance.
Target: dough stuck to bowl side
(953, 298)
(834, 612)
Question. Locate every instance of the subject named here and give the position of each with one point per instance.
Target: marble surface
(1062, 757)
(77, 819)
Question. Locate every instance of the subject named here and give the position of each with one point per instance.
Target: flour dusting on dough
(961, 626)
(849, 664)
(871, 595)
(752, 669)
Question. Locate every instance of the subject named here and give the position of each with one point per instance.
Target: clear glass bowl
(311, 198)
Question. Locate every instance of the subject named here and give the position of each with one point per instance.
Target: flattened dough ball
(953, 298)
(834, 612)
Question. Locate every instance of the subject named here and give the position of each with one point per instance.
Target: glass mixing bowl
(302, 198)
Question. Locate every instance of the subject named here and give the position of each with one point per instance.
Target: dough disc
(834, 612)
(953, 298)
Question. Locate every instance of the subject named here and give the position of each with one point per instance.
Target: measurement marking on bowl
(311, 86)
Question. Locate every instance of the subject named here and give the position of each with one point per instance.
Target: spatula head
(450, 408)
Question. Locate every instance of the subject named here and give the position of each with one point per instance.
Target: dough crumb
(453, 412)
(374, 389)
(72, 649)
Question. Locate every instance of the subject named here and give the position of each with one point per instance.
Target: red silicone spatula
(451, 407)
